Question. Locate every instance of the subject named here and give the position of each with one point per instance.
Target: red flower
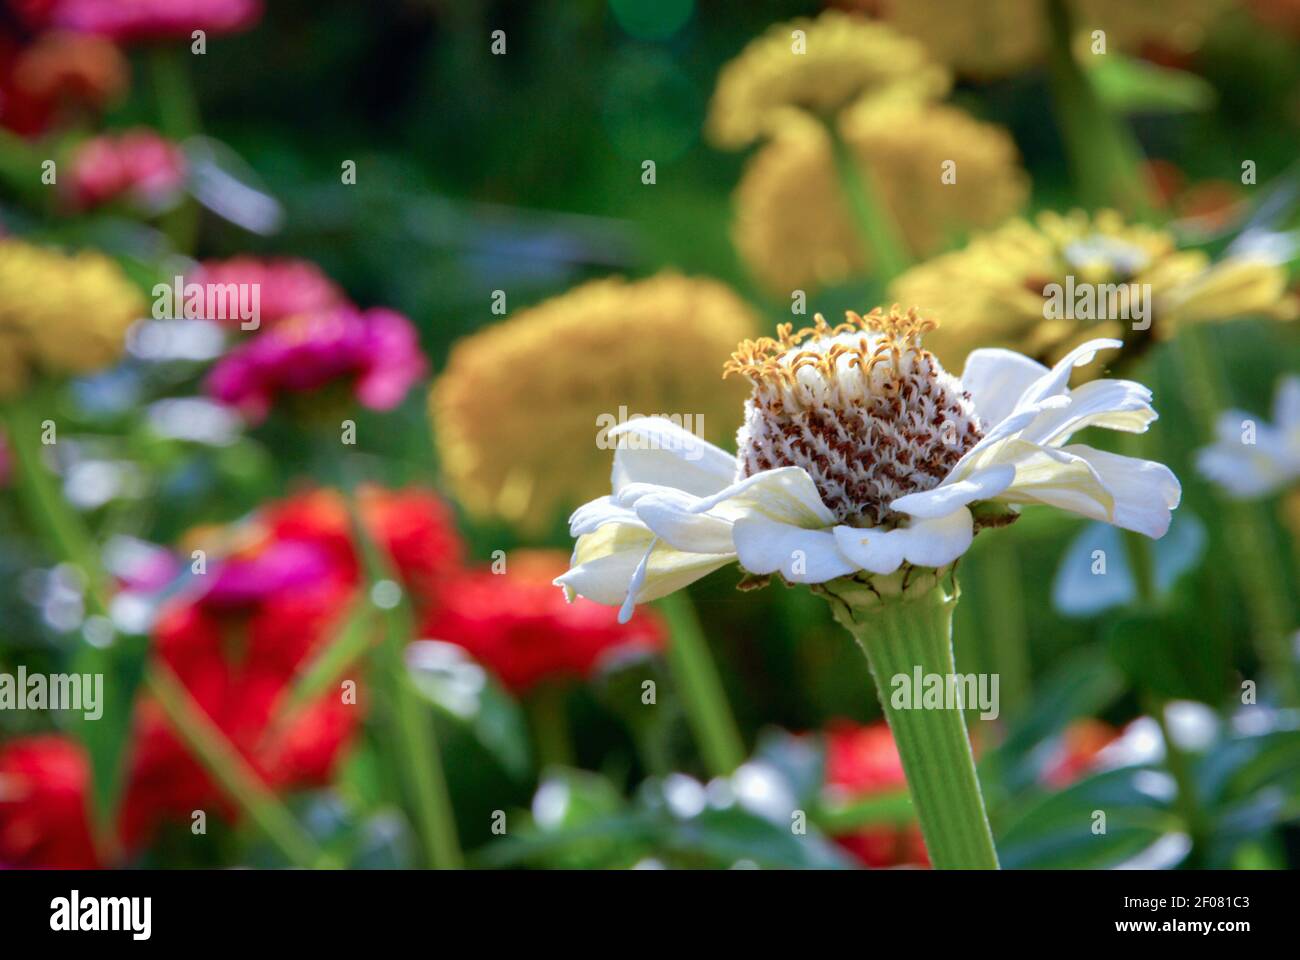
(238, 646)
(519, 625)
(286, 287)
(1076, 751)
(44, 782)
(861, 762)
(140, 166)
(414, 528)
(55, 74)
(236, 663)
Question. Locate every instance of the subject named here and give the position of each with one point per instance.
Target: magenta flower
(128, 20)
(139, 166)
(286, 287)
(375, 353)
(280, 567)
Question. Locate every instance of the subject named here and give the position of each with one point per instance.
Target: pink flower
(375, 352)
(127, 20)
(139, 165)
(286, 287)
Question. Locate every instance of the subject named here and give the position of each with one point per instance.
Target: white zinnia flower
(860, 453)
(1251, 459)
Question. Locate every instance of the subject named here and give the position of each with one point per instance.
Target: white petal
(938, 542)
(605, 562)
(947, 497)
(1057, 478)
(673, 520)
(1113, 404)
(1241, 470)
(785, 495)
(1286, 405)
(876, 551)
(924, 543)
(801, 556)
(1144, 491)
(997, 379)
(597, 513)
(656, 450)
(1055, 381)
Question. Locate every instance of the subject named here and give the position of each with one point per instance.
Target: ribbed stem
(900, 634)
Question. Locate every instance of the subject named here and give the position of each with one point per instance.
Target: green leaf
(1127, 85)
(351, 639)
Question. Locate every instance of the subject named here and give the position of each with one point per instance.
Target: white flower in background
(1253, 459)
(860, 453)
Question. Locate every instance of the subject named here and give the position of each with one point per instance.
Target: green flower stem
(1004, 617)
(1254, 553)
(415, 738)
(1179, 765)
(901, 628)
(178, 111)
(178, 118)
(39, 493)
(1103, 152)
(422, 761)
(228, 767)
(888, 254)
(547, 711)
(701, 689)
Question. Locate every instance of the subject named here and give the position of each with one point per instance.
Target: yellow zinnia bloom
(999, 37)
(60, 314)
(939, 171)
(1021, 286)
(818, 65)
(522, 410)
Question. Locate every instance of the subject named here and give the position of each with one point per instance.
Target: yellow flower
(521, 413)
(999, 37)
(1026, 286)
(794, 226)
(818, 65)
(60, 314)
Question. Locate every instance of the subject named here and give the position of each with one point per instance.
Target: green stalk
(1000, 577)
(418, 753)
(901, 627)
(876, 224)
(40, 495)
(229, 768)
(1179, 766)
(547, 711)
(1260, 571)
(701, 689)
(1103, 153)
(178, 118)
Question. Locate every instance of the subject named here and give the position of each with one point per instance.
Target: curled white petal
(655, 450)
(947, 497)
